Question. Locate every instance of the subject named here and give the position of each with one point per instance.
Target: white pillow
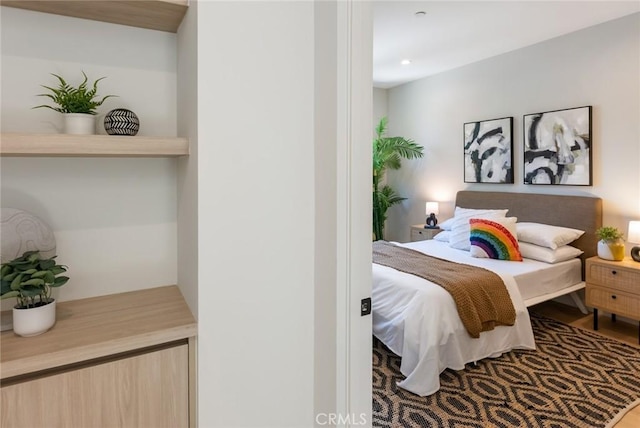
(547, 255)
(546, 235)
(446, 225)
(468, 213)
(460, 230)
(442, 236)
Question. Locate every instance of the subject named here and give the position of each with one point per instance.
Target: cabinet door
(147, 390)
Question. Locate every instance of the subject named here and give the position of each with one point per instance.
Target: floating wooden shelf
(48, 145)
(163, 15)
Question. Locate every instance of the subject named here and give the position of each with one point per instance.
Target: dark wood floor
(625, 332)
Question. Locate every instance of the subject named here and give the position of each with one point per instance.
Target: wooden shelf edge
(25, 145)
(162, 15)
(106, 349)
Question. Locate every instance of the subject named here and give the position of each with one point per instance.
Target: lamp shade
(432, 207)
(634, 232)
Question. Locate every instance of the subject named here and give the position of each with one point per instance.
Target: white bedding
(418, 320)
(539, 278)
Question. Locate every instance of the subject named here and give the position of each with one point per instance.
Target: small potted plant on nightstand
(29, 279)
(77, 104)
(610, 244)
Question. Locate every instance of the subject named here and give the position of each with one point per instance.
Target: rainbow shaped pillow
(494, 239)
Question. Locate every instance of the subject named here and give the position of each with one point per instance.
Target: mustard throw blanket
(480, 295)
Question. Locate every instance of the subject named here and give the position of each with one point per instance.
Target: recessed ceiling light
(405, 62)
(420, 13)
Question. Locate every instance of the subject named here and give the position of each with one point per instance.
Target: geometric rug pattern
(574, 378)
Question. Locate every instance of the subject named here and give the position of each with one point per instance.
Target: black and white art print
(488, 151)
(557, 147)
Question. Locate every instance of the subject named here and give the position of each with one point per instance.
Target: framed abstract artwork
(557, 147)
(488, 151)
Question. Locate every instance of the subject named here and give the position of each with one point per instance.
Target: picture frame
(488, 151)
(558, 147)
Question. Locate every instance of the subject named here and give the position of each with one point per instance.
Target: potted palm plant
(387, 153)
(77, 104)
(610, 244)
(30, 278)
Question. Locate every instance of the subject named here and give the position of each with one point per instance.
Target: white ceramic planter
(34, 321)
(611, 251)
(79, 123)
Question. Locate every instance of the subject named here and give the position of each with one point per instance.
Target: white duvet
(418, 320)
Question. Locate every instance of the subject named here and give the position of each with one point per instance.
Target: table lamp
(431, 210)
(634, 237)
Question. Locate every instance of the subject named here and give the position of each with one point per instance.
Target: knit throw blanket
(480, 295)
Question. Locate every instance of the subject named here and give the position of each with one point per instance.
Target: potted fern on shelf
(610, 244)
(30, 278)
(77, 104)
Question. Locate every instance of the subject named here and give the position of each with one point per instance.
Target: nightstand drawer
(613, 277)
(613, 301)
(420, 233)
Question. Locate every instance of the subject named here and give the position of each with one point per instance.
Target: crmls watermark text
(335, 419)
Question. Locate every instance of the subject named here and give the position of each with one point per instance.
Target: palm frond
(405, 147)
(391, 196)
(393, 161)
(388, 152)
(382, 127)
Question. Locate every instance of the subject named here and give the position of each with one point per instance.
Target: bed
(418, 320)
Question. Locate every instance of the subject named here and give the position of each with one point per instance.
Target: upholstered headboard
(577, 212)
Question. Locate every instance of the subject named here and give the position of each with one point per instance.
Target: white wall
(326, 330)
(256, 214)
(114, 219)
(284, 257)
(598, 66)
(380, 104)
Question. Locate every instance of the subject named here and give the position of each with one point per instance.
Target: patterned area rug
(575, 378)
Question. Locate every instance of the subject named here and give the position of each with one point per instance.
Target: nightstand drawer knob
(614, 272)
(614, 296)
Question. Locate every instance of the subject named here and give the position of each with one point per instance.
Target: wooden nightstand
(419, 233)
(613, 287)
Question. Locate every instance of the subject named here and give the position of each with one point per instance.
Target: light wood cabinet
(614, 287)
(124, 360)
(147, 390)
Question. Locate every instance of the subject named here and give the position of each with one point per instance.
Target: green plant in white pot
(30, 278)
(610, 244)
(77, 104)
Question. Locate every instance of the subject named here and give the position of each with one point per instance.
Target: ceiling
(454, 33)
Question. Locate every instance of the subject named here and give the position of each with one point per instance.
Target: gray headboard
(577, 212)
